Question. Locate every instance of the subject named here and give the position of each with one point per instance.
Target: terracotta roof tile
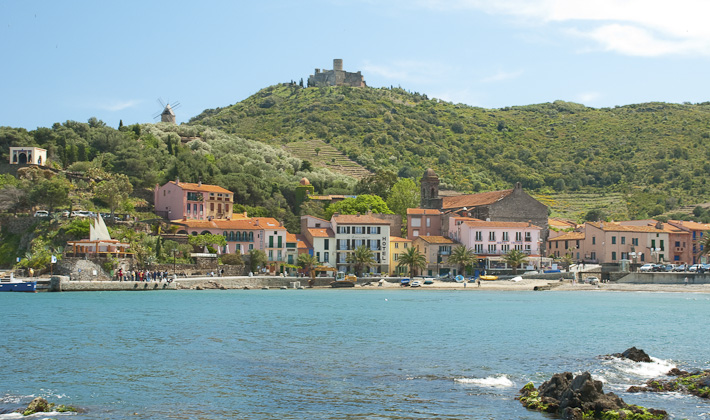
(398, 239)
(321, 232)
(474, 200)
(435, 239)
(569, 236)
(434, 212)
(363, 219)
(690, 225)
(615, 227)
(203, 187)
(254, 223)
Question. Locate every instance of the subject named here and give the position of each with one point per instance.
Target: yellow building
(398, 246)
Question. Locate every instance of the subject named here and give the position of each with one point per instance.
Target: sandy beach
(556, 285)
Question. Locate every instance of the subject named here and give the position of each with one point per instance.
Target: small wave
(657, 367)
(501, 381)
(12, 416)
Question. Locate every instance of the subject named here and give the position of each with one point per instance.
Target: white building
(352, 231)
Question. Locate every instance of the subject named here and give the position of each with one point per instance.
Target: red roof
(474, 200)
(201, 187)
(435, 239)
(321, 232)
(359, 219)
(423, 211)
(254, 223)
(569, 236)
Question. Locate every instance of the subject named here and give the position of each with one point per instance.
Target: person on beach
(686, 281)
(120, 274)
(478, 281)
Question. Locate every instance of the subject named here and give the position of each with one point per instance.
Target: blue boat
(13, 285)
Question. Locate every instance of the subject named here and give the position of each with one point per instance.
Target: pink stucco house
(185, 201)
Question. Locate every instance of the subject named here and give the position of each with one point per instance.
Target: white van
(41, 213)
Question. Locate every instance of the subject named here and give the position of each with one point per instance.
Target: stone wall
(665, 278)
(519, 206)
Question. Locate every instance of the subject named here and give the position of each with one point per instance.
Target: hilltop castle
(336, 77)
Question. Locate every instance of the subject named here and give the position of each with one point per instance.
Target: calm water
(336, 354)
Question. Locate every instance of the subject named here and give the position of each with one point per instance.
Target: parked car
(680, 268)
(83, 213)
(668, 267)
(694, 268)
(646, 268)
(591, 280)
(41, 213)
(415, 283)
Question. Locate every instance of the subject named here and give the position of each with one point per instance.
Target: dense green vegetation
(654, 154)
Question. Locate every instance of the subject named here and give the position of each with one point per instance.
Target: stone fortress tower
(336, 77)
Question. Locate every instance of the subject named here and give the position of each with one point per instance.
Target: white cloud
(587, 97)
(632, 27)
(118, 105)
(406, 70)
(501, 76)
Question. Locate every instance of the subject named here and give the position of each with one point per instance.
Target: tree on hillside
(207, 240)
(413, 259)
(361, 204)
(405, 194)
(52, 192)
(360, 258)
(514, 258)
(114, 192)
(13, 198)
(463, 256)
(380, 183)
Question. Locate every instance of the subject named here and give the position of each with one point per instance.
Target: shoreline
(277, 283)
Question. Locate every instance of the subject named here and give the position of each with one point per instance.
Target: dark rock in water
(38, 405)
(637, 355)
(694, 383)
(577, 397)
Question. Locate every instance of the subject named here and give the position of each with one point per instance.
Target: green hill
(644, 150)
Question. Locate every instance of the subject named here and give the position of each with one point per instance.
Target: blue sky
(72, 60)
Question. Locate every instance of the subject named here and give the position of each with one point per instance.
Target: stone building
(513, 205)
(336, 77)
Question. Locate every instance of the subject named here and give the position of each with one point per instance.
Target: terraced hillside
(575, 206)
(322, 154)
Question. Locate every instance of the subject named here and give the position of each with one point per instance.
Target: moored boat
(10, 284)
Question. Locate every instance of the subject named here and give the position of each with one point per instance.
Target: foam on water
(500, 381)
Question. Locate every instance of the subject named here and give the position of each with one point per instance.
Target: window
(527, 248)
(635, 241)
(396, 245)
(428, 222)
(663, 247)
(415, 233)
(317, 256)
(478, 248)
(416, 222)
(518, 236)
(613, 255)
(623, 240)
(528, 237)
(505, 237)
(279, 243)
(326, 256)
(491, 236)
(326, 244)
(491, 248)
(594, 241)
(518, 247)
(479, 235)
(613, 242)
(505, 248)
(271, 241)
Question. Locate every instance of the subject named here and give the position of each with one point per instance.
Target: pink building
(496, 238)
(609, 242)
(185, 201)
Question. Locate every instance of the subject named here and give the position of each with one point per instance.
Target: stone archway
(22, 158)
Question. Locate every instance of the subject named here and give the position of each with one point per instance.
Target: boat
(488, 277)
(10, 284)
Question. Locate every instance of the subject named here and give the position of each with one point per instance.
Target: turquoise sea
(337, 354)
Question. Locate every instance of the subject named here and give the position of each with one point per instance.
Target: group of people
(143, 275)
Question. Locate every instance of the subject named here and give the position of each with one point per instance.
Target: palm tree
(361, 257)
(514, 258)
(308, 263)
(462, 256)
(413, 259)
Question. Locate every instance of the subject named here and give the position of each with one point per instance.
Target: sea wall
(665, 278)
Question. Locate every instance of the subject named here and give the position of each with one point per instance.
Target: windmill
(167, 114)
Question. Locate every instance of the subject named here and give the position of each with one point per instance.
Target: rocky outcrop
(637, 355)
(581, 397)
(40, 405)
(210, 285)
(695, 383)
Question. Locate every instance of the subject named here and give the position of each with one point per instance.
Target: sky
(117, 60)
